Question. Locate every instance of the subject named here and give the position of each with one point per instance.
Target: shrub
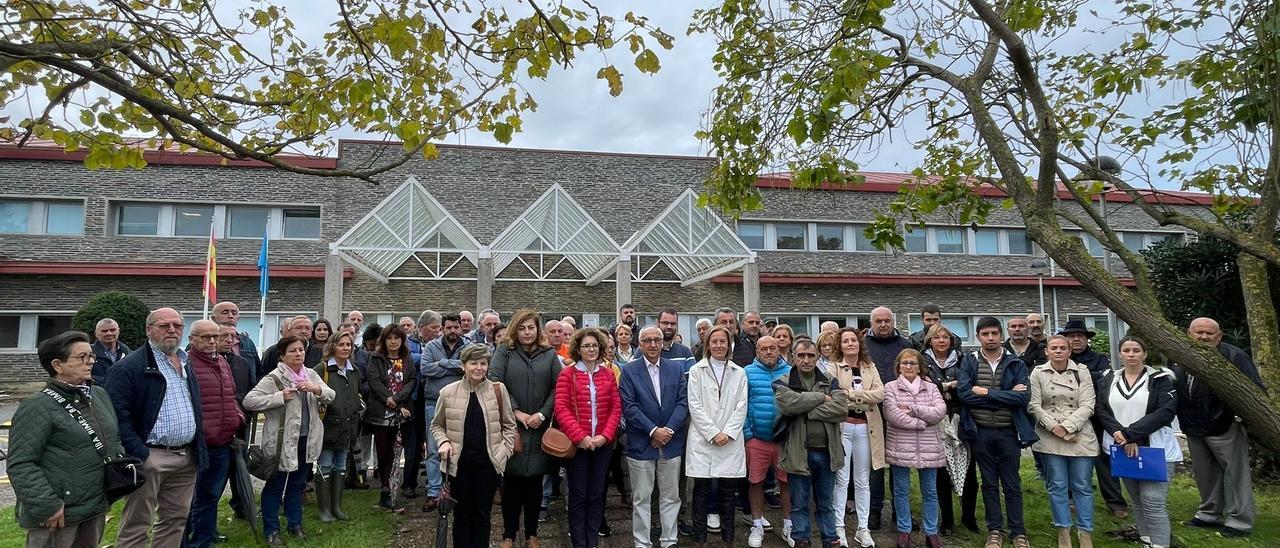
(127, 310)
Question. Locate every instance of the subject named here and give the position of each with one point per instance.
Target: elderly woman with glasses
(56, 472)
(913, 407)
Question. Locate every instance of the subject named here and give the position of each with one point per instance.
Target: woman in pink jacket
(913, 408)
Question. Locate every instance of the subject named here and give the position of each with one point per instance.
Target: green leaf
(611, 75)
(647, 61)
(502, 132)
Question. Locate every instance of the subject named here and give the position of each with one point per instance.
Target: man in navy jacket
(656, 409)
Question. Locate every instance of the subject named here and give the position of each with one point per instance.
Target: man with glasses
(812, 407)
(222, 419)
(656, 410)
(669, 323)
(762, 448)
(227, 313)
(157, 403)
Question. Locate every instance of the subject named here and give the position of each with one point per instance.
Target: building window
(916, 241)
(799, 324)
(302, 223)
(15, 217)
(790, 236)
(247, 222)
(192, 220)
(138, 220)
(950, 240)
(1019, 242)
(751, 234)
(41, 217)
(959, 325)
(830, 237)
(1133, 241)
(860, 239)
(9, 326)
(48, 326)
(1094, 246)
(987, 241)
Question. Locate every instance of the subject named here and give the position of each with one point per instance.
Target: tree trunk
(1264, 339)
(1232, 386)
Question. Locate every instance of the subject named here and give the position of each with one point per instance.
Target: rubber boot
(1086, 539)
(1064, 537)
(384, 500)
(336, 487)
(323, 502)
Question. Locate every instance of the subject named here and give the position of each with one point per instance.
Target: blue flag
(264, 269)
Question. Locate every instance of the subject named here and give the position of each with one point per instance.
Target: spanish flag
(211, 271)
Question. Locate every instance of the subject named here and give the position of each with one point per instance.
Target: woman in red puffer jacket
(588, 409)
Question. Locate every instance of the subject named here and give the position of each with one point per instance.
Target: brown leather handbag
(555, 442)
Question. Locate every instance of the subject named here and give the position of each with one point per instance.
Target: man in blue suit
(656, 409)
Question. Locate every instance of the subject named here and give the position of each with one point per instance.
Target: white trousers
(644, 475)
(857, 451)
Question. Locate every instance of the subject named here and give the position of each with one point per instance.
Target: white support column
(623, 281)
(751, 285)
(484, 279)
(332, 310)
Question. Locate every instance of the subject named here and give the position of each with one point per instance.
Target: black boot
(384, 500)
(323, 499)
(873, 520)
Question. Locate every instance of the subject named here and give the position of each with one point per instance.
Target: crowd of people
(515, 414)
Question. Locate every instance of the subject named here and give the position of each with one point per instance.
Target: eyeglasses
(175, 326)
(806, 356)
(909, 362)
(650, 341)
(588, 346)
(85, 357)
(210, 337)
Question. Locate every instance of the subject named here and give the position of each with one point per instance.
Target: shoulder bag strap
(79, 418)
(497, 393)
(283, 414)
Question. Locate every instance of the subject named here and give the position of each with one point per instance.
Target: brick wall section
(182, 293)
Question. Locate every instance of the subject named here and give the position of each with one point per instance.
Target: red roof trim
(890, 183)
(881, 279)
(135, 269)
(158, 157)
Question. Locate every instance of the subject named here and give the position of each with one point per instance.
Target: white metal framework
(694, 243)
(554, 225)
(409, 223)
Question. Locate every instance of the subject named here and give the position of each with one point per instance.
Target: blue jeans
(204, 507)
(290, 486)
(815, 489)
(434, 481)
(1069, 473)
(902, 498)
(332, 460)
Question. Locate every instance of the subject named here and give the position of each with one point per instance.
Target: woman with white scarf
(940, 361)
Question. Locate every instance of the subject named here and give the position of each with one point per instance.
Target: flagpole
(204, 314)
(264, 266)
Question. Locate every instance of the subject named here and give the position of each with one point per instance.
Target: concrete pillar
(333, 289)
(623, 279)
(751, 285)
(484, 279)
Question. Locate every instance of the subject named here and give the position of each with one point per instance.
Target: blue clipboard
(1149, 465)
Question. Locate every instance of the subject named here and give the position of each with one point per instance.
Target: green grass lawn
(368, 527)
(1183, 500)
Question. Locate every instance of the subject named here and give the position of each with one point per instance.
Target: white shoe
(844, 539)
(863, 536)
(756, 539)
(786, 534)
(713, 523)
(767, 526)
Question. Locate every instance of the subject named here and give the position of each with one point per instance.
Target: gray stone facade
(485, 189)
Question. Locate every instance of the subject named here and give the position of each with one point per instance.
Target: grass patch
(1183, 501)
(367, 528)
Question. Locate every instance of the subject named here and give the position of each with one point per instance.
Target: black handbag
(262, 465)
(122, 474)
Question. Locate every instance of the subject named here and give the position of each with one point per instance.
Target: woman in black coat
(393, 376)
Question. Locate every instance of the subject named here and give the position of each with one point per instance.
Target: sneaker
(1021, 541)
(1232, 532)
(1197, 522)
(767, 526)
(684, 529)
(863, 538)
(713, 523)
(995, 539)
(786, 534)
(605, 531)
(842, 538)
(756, 538)
(274, 539)
(544, 516)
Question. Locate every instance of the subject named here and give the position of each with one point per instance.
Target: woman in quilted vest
(588, 409)
(913, 407)
(475, 430)
(1062, 403)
